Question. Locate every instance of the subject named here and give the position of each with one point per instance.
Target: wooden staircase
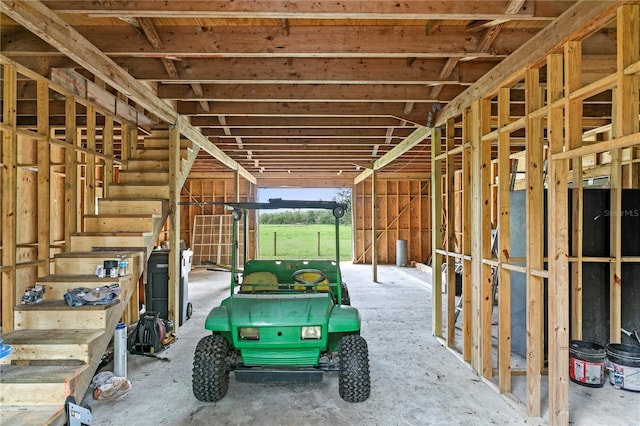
(56, 349)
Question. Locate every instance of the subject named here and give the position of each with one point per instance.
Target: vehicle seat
(259, 281)
(311, 276)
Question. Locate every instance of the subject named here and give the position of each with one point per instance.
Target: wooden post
(374, 224)
(9, 197)
(319, 244)
(90, 173)
(451, 234)
(625, 123)
(573, 136)
(558, 237)
(436, 238)
(71, 173)
(534, 180)
(125, 142)
(174, 227)
(107, 146)
(504, 243)
(486, 283)
(466, 236)
(275, 251)
(44, 178)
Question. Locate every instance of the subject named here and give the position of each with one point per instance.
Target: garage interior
(122, 121)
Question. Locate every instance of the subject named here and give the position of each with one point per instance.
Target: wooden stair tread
(39, 373)
(112, 234)
(124, 216)
(51, 337)
(79, 278)
(98, 253)
(61, 305)
(20, 415)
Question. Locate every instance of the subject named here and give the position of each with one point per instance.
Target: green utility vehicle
(285, 321)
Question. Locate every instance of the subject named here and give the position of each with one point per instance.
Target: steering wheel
(298, 276)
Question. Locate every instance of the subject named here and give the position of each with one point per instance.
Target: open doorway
(279, 229)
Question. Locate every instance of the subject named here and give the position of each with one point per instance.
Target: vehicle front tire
(210, 380)
(354, 380)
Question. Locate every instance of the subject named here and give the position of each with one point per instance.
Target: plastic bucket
(586, 363)
(624, 366)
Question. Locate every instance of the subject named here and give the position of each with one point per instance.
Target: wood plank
(70, 172)
(9, 207)
(534, 182)
(50, 314)
(451, 232)
(174, 226)
(504, 244)
(44, 179)
(143, 206)
(129, 240)
(485, 291)
(36, 385)
(51, 345)
(466, 235)
(558, 237)
(436, 237)
(573, 135)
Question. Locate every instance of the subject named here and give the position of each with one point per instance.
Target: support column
(436, 238)
(534, 180)
(71, 173)
(90, 167)
(44, 180)
(504, 243)
(451, 235)
(107, 146)
(466, 236)
(558, 237)
(374, 224)
(174, 226)
(9, 174)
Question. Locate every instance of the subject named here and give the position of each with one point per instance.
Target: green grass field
(301, 242)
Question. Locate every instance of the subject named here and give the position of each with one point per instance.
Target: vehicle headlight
(249, 333)
(312, 332)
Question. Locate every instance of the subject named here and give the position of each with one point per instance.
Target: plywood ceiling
(299, 89)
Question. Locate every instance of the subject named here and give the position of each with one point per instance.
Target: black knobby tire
(354, 380)
(210, 380)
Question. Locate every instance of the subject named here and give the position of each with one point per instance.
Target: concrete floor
(419, 383)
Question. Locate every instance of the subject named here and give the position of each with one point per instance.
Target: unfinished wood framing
(562, 148)
(403, 214)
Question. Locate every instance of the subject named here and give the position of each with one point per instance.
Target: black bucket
(624, 366)
(586, 363)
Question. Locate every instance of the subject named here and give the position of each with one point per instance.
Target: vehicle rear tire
(354, 381)
(210, 380)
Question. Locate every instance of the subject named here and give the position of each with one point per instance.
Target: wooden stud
(625, 122)
(573, 135)
(486, 192)
(466, 235)
(504, 244)
(451, 234)
(44, 177)
(436, 238)
(9, 196)
(107, 144)
(71, 172)
(374, 224)
(174, 227)
(90, 167)
(534, 181)
(558, 237)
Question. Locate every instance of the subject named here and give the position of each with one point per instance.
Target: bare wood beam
(352, 9)
(51, 28)
(575, 24)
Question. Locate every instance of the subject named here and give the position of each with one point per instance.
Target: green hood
(280, 310)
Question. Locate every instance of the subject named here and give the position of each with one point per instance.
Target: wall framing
(560, 146)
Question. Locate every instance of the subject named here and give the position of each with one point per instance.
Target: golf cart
(286, 320)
